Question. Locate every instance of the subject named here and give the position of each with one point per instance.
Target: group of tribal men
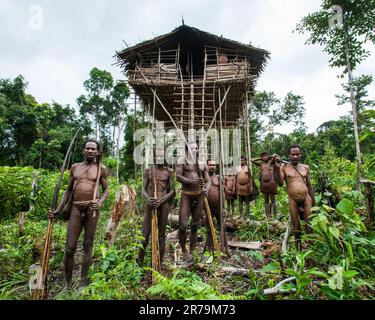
(199, 181)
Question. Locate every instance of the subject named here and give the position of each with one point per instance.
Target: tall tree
(268, 111)
(343, 36)
(119, 95)
(96, 103)
(18, 123)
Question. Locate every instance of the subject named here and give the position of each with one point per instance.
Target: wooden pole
(154, 219)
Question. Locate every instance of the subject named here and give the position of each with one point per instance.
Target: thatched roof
(193, 41)
(192, 37)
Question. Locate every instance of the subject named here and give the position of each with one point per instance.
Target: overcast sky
(56, 53)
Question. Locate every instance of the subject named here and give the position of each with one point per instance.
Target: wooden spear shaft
(155, 235)
(212, 227)
(41, 289)
(208, 213)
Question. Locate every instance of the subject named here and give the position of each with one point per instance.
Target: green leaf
(336, 281)
(345, 206)
(318, 273)
(350, 274)
(210, 259)
(335, 232)
(273, 266)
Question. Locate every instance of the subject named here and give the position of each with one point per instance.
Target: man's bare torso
(213, 195)
(162, 176)
(84, 190)
(296, 186)
(190, 171)
(243, 175)
(267, 178)
(229, 183)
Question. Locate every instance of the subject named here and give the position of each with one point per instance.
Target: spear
(208, 212)
(40, 290)
(98, 174)
(154, 230)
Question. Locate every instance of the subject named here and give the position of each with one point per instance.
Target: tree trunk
(118, 152)
(355, 123)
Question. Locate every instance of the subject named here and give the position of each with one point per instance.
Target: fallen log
(284, 240)
(243, 272)
(254, 245)
(277, 289)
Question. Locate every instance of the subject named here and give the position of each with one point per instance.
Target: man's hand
(154, 203)
(51, 214)
(200, 182)
(205, 191)
(96, 204)
(277, 159)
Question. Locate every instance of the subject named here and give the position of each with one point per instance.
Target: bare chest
(291, 173)
(85, 172)
(190, 170)
(215, 181)
(161, 175)
(266, 168)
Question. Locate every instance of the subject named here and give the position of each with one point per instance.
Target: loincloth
(192, 193)
(83, 205)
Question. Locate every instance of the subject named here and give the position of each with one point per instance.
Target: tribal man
(214, 197)
(299, 188)
(268, 185)
(230, 192)
(193, 185)
(160, 177)
(244, 187)
(84, 213)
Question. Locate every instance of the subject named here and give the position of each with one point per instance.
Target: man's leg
(247, 209)
(273, 204)
(266, 197)
(146, 230)
(294, 215)
(195, 222)
(307, 212)
(163, 211)
(74, 230)
(233, 205)
(183, 219)
(228, 207)
(90, 224)
(241, 207)
(209, 240)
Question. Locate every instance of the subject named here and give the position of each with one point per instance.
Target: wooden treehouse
(193, 77)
